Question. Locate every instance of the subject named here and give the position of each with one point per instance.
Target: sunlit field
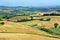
(29, 29)
(47, 24)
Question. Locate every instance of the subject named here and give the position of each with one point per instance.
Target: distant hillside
(31, 8)
(8, 12)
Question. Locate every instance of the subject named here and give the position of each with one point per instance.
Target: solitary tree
(55, 25)
(31, 17)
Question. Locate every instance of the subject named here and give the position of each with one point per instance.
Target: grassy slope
(24, 28)
(21, 29)
(55, 30)
(17, 27)
(47, 24)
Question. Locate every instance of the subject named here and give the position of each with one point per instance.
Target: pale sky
(29, 2)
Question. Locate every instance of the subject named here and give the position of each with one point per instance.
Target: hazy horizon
(32, 3)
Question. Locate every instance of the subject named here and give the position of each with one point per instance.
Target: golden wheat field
(47, 24)
(24, 31)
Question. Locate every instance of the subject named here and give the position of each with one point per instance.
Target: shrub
(31, 17)
(2, 23)
(48, 19)
(45, 19)
(7, 17)
(41, 19)
(46, 30)
(55, 25)
(23, 20)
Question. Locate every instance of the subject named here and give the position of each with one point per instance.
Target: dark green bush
(55, 25)
(48, 19)
(45, 19)
(41, 19)
(23, 20)
(46, 30)
(1, 23)
(31, 17)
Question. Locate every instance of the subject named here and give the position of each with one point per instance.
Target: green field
(55, 30)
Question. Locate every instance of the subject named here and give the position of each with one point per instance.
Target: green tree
(31, 17)
(55, 25)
